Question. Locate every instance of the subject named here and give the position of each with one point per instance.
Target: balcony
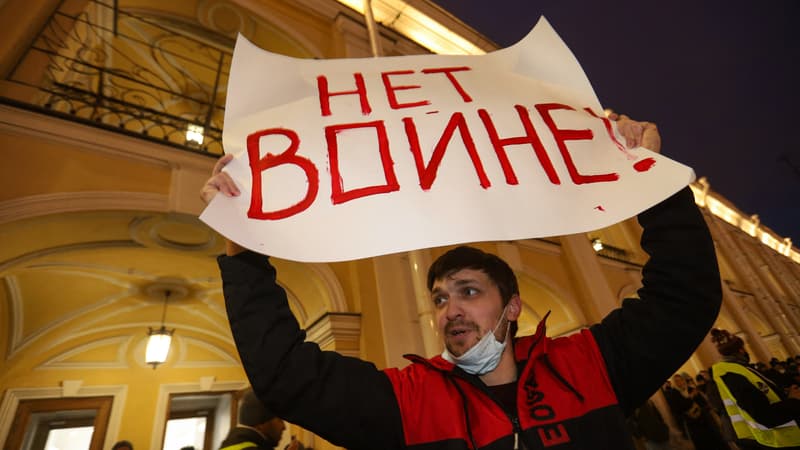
(146, 76)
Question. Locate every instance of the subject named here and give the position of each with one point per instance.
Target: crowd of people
(704, 412)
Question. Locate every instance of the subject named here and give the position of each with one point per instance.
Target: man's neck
(737, 358)
(252, 428)
(506, 370)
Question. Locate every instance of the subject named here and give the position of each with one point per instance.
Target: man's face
(273, 430)
(468, 305)
(679, 382)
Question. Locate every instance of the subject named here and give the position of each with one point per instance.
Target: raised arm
(344, 400)
(647, 339)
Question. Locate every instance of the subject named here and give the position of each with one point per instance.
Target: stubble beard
(470, 326)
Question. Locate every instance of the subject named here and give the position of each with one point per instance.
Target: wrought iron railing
(150, 77)
(605, 250)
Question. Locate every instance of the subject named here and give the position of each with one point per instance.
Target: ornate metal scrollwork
(146, 76)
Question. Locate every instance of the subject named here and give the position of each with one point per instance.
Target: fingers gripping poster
(352, 158)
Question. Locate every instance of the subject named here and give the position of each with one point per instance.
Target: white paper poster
(352, 158)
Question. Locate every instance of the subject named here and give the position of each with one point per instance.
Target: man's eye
(439, 300)
(469, 291)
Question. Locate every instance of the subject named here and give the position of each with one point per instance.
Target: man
(489, 390)
(258, 427)
(648, 425)
(691, 411)
(761, 414)
(122, 445)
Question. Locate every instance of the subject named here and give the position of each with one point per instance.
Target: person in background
(649, 426)
(122, 445)
(692, 413)
(257, 428)
(761, 415)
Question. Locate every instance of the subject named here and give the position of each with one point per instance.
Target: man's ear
(514, 308)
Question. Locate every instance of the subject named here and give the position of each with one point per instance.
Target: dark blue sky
(719, 78)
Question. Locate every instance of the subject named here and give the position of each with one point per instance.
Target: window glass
(77, 438)
(181, 433)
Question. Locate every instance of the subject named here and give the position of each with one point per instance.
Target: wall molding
(225, 358)
(340, 332)
(119, 361)
(13, 396)
(66, 202)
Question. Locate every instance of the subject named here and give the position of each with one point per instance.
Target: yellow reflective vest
(786, 435)
(240, 446)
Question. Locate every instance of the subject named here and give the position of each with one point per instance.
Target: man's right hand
(222, 182)
(295, 445)
(219, 182)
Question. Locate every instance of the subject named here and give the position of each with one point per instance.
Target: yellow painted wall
(33, 167)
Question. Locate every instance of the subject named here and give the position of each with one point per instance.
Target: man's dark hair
(251, 411)
(122, 444)
(465, 257)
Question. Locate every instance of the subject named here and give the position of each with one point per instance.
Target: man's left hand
(636, 133)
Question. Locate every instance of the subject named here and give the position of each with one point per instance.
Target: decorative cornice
(540, 245)
(722, 208)
(335, 293)
(226, 359)
(18, 346)
(340, 332)
(119, 362)
(21, 122)
(11, 263)
(65, 202)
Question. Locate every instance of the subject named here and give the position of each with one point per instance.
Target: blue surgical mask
(484, 356)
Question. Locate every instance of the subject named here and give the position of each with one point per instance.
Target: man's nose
(453, 310)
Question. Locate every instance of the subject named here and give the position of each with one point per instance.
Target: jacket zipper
(475, 381)
(515, 423)
(512, 417)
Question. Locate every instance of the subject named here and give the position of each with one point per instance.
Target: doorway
(198, 420)
(63, 423)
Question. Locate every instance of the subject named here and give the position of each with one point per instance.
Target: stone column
(596, 297)
(339, 332)
(398, 309)
(793, 269)
(707, 353)
(733, 307)
(419, 262)
(768, 295)
(772, 278)
(21, 21)
(729, 248)
(782, 267)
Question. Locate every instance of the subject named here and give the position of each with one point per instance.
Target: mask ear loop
(500, 321)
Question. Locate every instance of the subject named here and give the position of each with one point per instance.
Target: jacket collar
(525, 346)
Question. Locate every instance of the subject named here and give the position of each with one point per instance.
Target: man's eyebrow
(458, 282)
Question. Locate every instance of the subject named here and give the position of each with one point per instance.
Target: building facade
(101, 106)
